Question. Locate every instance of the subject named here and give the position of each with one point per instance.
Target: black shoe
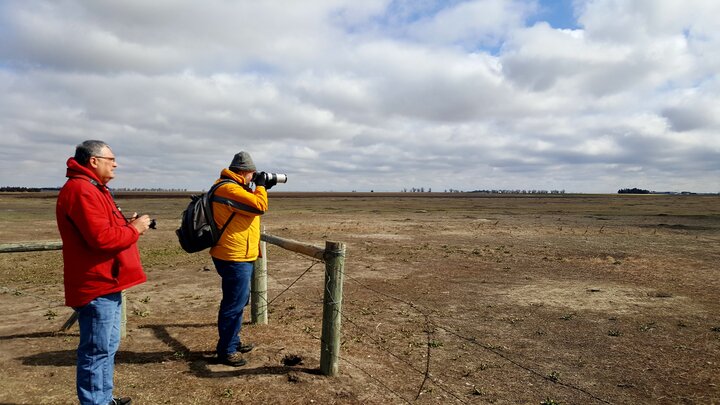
(245, 348)
(234, 360)
(121, 401)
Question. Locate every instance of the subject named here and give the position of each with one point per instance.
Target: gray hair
(88, 149)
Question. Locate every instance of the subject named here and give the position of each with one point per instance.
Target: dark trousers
(236, 277)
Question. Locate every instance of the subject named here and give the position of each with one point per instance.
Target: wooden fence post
(30, 246)
(123, 318)
(70, 322)
(332, 307)
(57, 245)
(123, 315)
(258, 288)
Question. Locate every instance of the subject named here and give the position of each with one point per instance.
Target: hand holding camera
(142, 223)
(260, 179)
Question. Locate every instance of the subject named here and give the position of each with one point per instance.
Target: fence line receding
(333, 256)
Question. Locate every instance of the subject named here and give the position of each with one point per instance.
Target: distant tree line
(451, 190)
(633, 190)
(152, 189)
(36, 189)
(519, 191)
(21, 189)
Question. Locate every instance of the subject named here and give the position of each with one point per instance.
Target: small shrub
(647, 327)
(614, 332)
(435, 344)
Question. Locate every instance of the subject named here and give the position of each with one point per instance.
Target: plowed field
(448, 298)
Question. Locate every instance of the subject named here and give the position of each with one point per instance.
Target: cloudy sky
(576, 95)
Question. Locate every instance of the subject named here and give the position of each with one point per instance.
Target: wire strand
(428, 322)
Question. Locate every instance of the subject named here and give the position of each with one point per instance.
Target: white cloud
(481, 23)
(379, 95)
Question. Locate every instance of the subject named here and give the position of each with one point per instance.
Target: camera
(151, 225)
(271, 178)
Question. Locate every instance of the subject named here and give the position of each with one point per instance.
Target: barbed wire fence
(430, 325)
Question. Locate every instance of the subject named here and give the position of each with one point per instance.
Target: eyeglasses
(112, 159)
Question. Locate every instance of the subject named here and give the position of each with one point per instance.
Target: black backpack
(198, 230)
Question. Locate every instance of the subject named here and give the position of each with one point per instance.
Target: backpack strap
(237, 205)
(232, 203)
(211, 198)
(225, 225)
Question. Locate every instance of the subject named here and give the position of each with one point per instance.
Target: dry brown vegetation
(458, 298)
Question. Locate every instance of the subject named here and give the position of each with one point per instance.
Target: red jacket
(100, 254)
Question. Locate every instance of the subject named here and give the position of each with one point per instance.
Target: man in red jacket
(100, 260)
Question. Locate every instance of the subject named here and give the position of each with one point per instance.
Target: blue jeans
(99, 322)
(236, 278)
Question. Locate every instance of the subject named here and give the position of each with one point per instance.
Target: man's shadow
(198, 362)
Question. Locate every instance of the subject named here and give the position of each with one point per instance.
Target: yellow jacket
(240, 242)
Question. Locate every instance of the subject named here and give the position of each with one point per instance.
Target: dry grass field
(463, 298)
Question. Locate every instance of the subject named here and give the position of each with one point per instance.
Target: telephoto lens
(273, 178)
(279, 177)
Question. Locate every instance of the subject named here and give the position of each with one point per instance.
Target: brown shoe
(244, 348)
(233, 359)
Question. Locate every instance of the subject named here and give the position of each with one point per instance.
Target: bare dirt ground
(448, 299)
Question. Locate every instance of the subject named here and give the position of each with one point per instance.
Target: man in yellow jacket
(240, 208)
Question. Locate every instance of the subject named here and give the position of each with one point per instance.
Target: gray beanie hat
(242, 162)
